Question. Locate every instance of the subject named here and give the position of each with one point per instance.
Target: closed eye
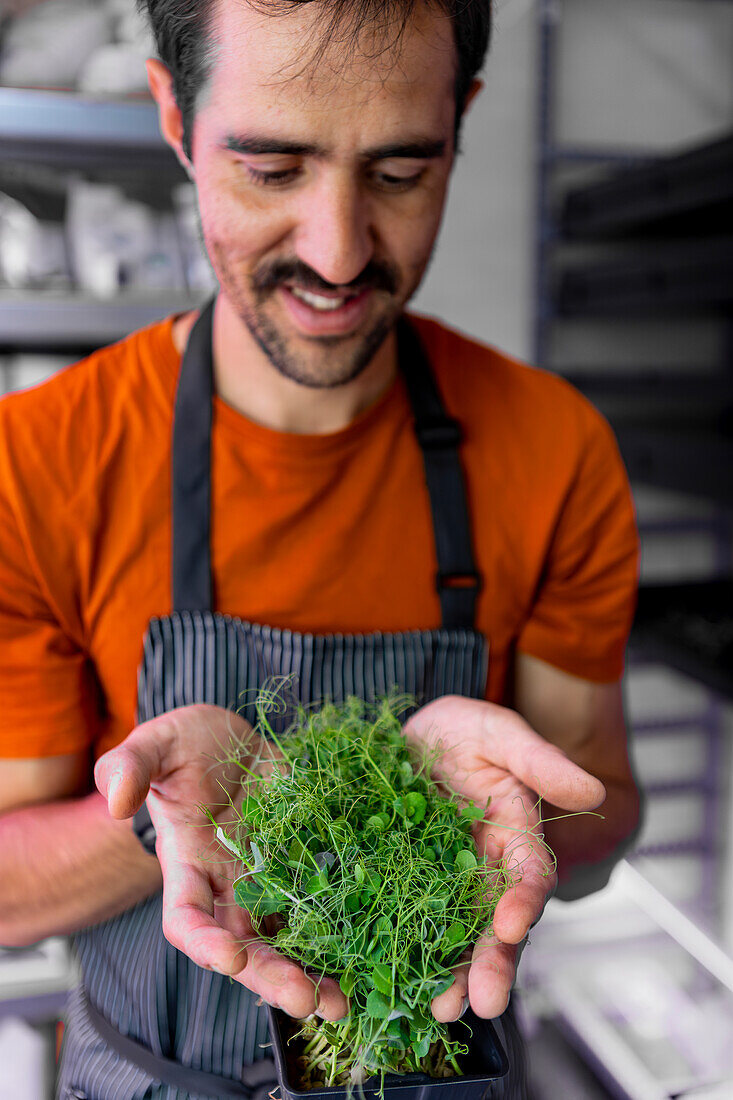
(398, 183)
(283, 176)
(272, 179)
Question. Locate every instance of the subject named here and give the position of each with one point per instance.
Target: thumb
(123, 775)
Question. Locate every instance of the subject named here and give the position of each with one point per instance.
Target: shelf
(690, 628)
(43, 321)
(687, 193)
(563, 153)
(659, 398)
(77, 132)
(684, 461)
(34, 981)
(695, 276)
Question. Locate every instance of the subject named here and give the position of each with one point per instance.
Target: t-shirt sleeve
(584, 604)
(47, 692)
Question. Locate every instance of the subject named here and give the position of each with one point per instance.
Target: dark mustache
(375, 276)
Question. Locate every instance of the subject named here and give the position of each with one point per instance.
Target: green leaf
(359, 942)
(465, 860)
(347, 983)
(352, 902)
(251, 896)
(373, 879)
(421, 1022)
(421, 1047)
(416, 806)
(455, 933)
(429, 854)
(318, 884)
(379, 822)
(472, 813)
(298, 852)
(340, 828)
(359, 873)
(377, 1006)
(394, 1029)
(406, 773)
(382, 978)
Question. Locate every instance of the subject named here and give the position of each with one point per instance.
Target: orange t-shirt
(322, 533)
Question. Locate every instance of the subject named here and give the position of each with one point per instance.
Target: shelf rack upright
(552, 153)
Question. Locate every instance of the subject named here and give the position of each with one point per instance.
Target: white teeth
(317, 301)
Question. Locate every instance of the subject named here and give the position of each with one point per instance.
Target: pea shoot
(355, 863)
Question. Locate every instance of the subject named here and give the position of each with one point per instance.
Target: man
(329, 458)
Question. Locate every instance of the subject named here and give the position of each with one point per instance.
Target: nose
(334, 235)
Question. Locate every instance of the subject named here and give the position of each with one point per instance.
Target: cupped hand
(178, 762)
(490, 751)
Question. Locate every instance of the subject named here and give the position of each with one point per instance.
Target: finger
(541, 766)
(123, 775)
(491, 977)
(221, 938)
(189, 923)
(501, 738)
(524, 900)
(450, 1005)
(331, 1004)
(277, 979)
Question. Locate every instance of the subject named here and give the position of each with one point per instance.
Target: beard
(327, 361)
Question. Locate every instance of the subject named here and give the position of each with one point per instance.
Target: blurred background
(590, 232)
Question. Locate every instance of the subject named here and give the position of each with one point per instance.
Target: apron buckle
(438, 433)
(469, 580)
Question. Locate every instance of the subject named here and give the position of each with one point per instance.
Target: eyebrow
(415, 149)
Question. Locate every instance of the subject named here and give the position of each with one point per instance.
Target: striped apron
(146, 1023)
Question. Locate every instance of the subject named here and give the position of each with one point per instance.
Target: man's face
(321, 190)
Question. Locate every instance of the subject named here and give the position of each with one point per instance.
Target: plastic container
(484, 1067)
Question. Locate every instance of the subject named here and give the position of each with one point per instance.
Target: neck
(246, 380)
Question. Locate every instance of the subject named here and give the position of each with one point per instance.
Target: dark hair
(182, 30)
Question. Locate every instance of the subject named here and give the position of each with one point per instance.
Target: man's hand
(491, 751)
(174, 762)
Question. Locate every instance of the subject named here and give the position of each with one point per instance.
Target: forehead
(283, 67)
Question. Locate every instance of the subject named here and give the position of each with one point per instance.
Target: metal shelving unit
(44, 321)
(78, 132)
(674, 430)
(106, 139)
(678, 275)
(119, 140)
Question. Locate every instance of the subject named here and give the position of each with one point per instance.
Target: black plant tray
(484, 1067)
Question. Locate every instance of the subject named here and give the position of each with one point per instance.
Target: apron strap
(192, 588)
(258, 1079)
(439, 436)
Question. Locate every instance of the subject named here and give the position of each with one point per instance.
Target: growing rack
(104, 139)
(675, 432)
(107, 140)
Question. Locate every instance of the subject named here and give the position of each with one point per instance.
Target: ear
(476, 86)
(171, 120)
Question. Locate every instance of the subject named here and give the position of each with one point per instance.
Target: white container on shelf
(48, 45)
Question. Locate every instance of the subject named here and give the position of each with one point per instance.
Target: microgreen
(373, 873)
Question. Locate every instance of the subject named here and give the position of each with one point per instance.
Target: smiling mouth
(332, 313)
(324, 303)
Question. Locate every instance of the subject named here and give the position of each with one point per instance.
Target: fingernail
(465, 1005)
